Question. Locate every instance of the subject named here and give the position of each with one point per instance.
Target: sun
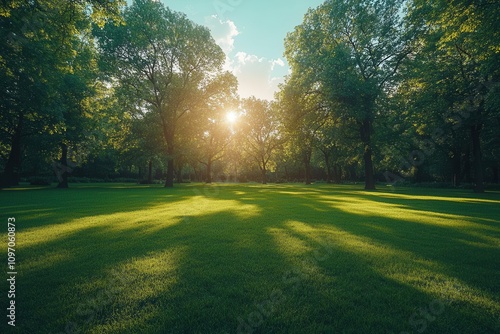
(231, 117)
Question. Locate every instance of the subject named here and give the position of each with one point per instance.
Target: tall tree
(38, 43)
(351, 50)
(333, 144)
(303, 112)
(207, 133)
(171, 64)
(463, 38)
(260, 132)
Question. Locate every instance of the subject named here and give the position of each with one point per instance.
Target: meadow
(251, 258)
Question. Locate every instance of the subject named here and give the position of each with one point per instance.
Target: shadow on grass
(261, 259)
(40, 207)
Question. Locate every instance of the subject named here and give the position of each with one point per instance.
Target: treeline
(380, 91)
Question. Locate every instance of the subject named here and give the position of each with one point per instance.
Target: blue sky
(251, 33)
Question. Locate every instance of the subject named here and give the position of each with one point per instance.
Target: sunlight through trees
(379, 91)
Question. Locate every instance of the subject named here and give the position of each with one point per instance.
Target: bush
(435, 184)
(74, 179)
(40, 181)
(124, 180)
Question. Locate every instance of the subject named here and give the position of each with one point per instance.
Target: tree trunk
(150, 171)
(307, 164)
(209, 170)
(467, 166)
(12, 172)
(169, 183)
(168, 133)
(337, 174)
(178, 173)
(63, 180)
(263, 172)
(169, 138)
(496, 172)
(308, 172)
(369, 177)
(457, 168)
(367, 154)
(478, 159)
(326, 155)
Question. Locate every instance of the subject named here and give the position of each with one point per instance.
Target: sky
(251, 33)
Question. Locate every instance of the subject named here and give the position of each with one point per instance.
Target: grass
(253, 259)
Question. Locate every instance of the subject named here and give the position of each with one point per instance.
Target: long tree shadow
(207, 256)
(82, 201)
(462, 255)
(276, 259)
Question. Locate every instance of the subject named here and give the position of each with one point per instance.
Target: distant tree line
(380, 91)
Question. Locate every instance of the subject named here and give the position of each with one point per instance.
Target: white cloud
(278, 62)
(254, 73)
(223, 32)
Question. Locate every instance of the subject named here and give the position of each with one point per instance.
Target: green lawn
(253, 259)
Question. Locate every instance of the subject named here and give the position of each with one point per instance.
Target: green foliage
(350, 50)
(408, 87)
(345, 55)
(452, 76)
(171, 66)
(47, 69)
(416, 79)
(260, 133)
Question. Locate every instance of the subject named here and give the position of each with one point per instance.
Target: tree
(303, 112)
(207, 133)
(38, 44)
(463, 38)
(350, 51)
(260, 132)
(170, 63)
(141, 147)
(78, 94)
(333, 145)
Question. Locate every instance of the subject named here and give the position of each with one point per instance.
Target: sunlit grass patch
(274, 258)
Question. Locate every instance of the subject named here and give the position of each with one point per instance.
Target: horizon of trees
(380, 91)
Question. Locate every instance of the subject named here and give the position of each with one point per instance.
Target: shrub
(40, 181)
